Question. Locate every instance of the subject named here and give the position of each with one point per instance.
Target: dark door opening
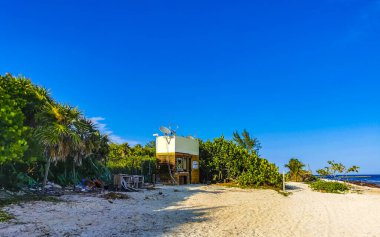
(182, 180)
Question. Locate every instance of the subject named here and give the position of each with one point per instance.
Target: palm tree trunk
(47, 167)
(150, 173)
(74, 176)
(74, 173)
(65, 171)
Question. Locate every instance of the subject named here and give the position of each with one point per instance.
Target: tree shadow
(162, 211)
(293, 188)
(169, 214)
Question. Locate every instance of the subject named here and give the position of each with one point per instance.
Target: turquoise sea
(370, 178)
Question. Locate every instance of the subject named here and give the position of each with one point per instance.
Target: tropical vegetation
(36, 130)
(335, 168)
(43, 140)
(297, 173)
(124, 159)
(332, 170)
(237, 161)
(329, 186)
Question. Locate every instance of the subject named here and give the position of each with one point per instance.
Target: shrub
(329, 187)
(308, 177)
(223, 160)
(260, 172)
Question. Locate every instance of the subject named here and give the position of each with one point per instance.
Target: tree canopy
(244, 140)
(223, 160)
(36, 131)
(12, 130)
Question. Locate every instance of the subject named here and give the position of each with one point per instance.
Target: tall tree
(246, 141)
(89, 142)
(58, 133)
(104, 149)
(295, 167)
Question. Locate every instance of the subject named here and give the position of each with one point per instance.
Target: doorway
(183, 179)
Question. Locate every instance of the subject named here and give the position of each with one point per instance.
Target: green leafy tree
(324, 172)
(104, 149)
(12, 131)
(23, 154)
(224, 160)
(336, 168)
(59, 134)
(89, 142)
(353, 169)
(246, 141)
(295, 167)
(132, 160)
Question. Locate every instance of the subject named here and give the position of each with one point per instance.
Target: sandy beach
(197, 210)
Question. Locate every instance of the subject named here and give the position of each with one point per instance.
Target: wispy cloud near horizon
(98, 121)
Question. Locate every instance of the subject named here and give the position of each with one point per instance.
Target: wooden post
(283, 181)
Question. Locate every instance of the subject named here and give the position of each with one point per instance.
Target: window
(181, 164)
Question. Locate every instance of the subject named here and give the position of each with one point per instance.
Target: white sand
(202, 211)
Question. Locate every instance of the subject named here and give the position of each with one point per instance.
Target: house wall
(163, 172)
(171, 144)
(195, 175)
(168, 148)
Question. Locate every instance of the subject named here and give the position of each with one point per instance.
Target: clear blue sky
(302, 76)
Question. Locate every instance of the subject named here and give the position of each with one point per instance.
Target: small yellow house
(177, 159)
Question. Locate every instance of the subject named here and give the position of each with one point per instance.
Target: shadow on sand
(293, 188)
(158, 212)
(170, 214)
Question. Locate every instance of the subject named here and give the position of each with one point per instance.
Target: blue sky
(302, 76)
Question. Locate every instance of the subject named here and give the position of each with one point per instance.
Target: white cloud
(98, 121)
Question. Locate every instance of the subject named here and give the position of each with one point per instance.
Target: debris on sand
(113, 195)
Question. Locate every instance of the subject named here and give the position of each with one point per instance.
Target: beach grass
(4, 216)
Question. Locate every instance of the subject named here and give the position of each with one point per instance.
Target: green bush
(223, 160)
(260, 172)
(329, 187)
(139, 165)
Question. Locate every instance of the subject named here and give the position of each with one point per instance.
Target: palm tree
(89, 142)
(295, 168)
(104, 148)
(57, 133)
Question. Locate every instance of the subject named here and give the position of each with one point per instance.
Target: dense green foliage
(12, 129)
(123, 159)
(223, 160)
(36, 130)
(246, 141)
(295, 169)
(41, 140)
(329, 186)
(297, 173)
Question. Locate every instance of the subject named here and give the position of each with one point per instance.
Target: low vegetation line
(4, 216)
(329, 186)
